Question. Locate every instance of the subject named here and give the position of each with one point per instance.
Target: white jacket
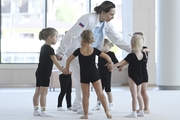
(72, 39)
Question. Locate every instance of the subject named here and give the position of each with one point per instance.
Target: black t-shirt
(103, 70)
(135, 67)
(45, 63)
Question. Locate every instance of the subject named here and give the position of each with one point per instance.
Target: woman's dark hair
(105, 6)
(46, 32)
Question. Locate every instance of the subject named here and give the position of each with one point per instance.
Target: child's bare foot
(84, 117)
(146, 111)
(109, 116)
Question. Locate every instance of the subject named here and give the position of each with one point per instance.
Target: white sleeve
(116, 39)
(72, 35)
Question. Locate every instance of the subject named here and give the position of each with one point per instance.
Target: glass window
(21, 21)
(62, 15)
(6, 4)
(116, 22)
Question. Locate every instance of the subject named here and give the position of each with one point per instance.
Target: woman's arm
(72, 35)
(116, 39)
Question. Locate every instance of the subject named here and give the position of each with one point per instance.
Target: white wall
(138, 15)
(144, 20)
(17, 74)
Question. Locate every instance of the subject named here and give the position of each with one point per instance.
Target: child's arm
(105, 56)
(54, 59)
(121, 64)
(146, 50)
(108, 59)
(68, 61)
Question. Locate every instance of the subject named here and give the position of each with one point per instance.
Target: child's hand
(58, 57)
(66, 71)
(120, 68)
(109, 66)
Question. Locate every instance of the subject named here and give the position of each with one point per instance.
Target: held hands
(120, 68)
(66, 71)
(109, 66)
(58, 57)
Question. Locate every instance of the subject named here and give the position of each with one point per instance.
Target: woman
(99, 23)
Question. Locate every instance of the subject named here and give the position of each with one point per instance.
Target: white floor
(16, 104)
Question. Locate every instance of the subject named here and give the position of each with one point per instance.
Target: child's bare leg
(110, 98)
(133, 90)
(145, 97)
(140, 101)
(43, 92)
(36, 102)
(36, 97)
(98, 88)
(85, 99)
(139, 97)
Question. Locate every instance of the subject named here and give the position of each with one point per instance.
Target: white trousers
(74, 66)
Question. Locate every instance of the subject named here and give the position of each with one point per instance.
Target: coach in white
(99, 23)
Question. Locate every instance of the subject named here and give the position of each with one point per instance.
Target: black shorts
(42, 80)
(87, 77)
(106, 83)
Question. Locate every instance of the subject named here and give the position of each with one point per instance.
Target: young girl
(105, 74)
(135, 59)
(46, 59)
(66, 85)
(145, 78)
(88, 71)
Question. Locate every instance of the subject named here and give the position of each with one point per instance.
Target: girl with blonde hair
(88, 71)
(145, 77)
(135, 59)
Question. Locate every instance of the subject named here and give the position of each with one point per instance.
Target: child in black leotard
(135, 59)
(105, 74)
(88, 71)
(46, 59)
(66, 86)
(145, 78)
